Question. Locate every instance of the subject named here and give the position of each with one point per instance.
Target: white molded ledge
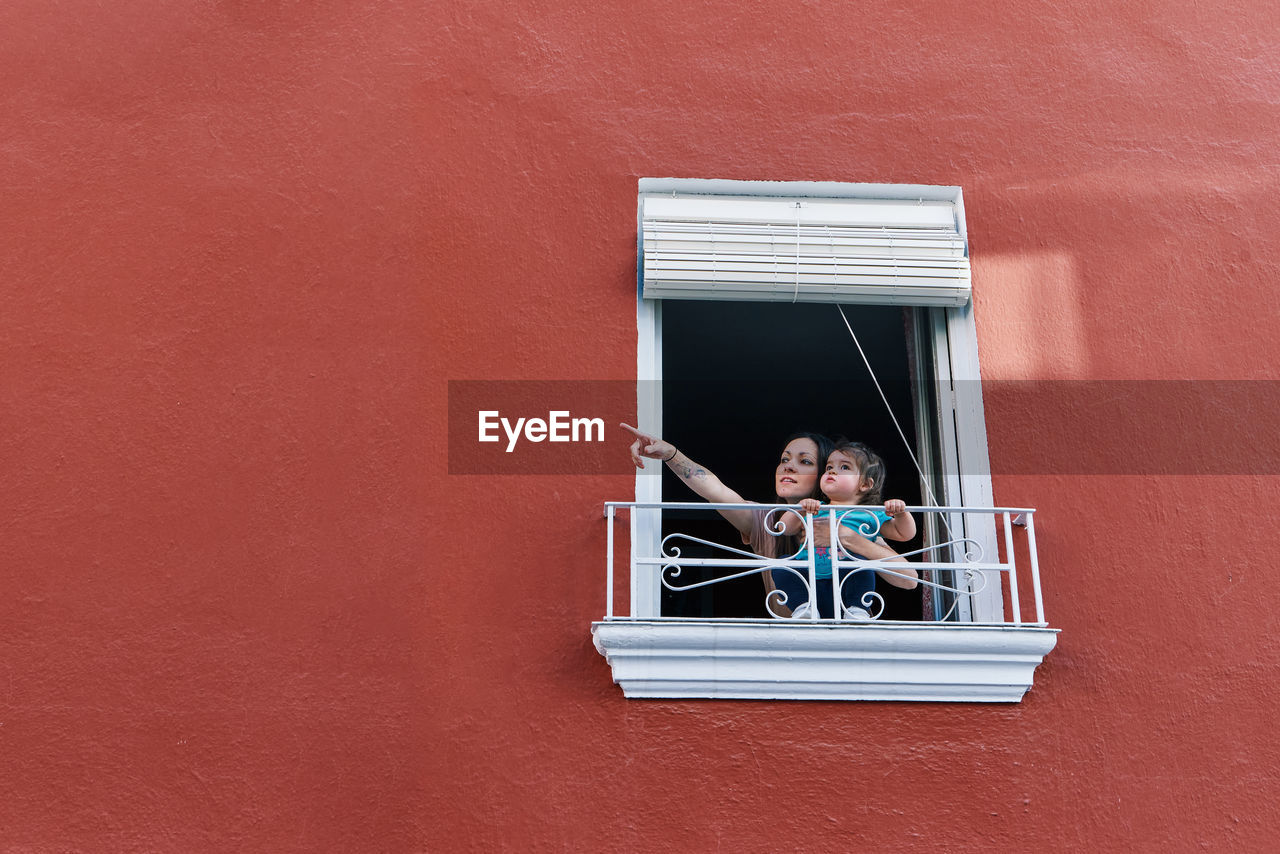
(777, 661)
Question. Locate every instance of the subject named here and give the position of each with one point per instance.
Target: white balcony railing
(984, 647)
(957, 567)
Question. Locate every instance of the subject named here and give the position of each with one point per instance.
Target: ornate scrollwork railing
(956, 568)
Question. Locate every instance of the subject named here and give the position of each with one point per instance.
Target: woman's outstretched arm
(697, 478)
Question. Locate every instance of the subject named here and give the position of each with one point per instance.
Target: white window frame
(963, 430)
(967, 660)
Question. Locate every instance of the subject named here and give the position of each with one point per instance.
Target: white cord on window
(924, 481)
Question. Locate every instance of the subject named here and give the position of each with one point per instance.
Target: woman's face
(797, 471)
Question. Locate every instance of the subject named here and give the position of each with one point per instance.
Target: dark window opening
(739, 377)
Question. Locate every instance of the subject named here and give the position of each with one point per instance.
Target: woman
(803, 458)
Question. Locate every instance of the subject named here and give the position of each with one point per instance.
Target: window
(740, 376)
(781, 254)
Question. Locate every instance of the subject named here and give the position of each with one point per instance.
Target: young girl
(854, 477)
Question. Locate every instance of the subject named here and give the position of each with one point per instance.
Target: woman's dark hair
(870, 467)
(784, 544)
(825, 446)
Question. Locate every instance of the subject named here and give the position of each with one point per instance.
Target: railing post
(608, 607)
(1013, 570)
(635, 570)
(837, 604)
(1035, 567)
(813, 565)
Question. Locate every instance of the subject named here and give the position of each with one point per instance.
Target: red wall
(244, 247)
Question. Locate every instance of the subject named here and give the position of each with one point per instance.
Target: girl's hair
(825, 447)
(870, 467)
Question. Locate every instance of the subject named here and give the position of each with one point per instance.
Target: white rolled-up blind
(804, 250)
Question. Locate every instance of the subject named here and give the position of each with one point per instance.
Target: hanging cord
(924, 481)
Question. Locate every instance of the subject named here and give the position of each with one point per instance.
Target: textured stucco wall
(244, 246)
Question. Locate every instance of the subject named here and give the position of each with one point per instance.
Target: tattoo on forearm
(686, 469)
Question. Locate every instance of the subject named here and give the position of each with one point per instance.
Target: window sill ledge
(777, 661)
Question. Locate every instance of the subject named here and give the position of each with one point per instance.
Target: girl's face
(842, 482)
(797, 471)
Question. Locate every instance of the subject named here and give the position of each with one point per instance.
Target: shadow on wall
(1127, 274)
(1038, 314)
